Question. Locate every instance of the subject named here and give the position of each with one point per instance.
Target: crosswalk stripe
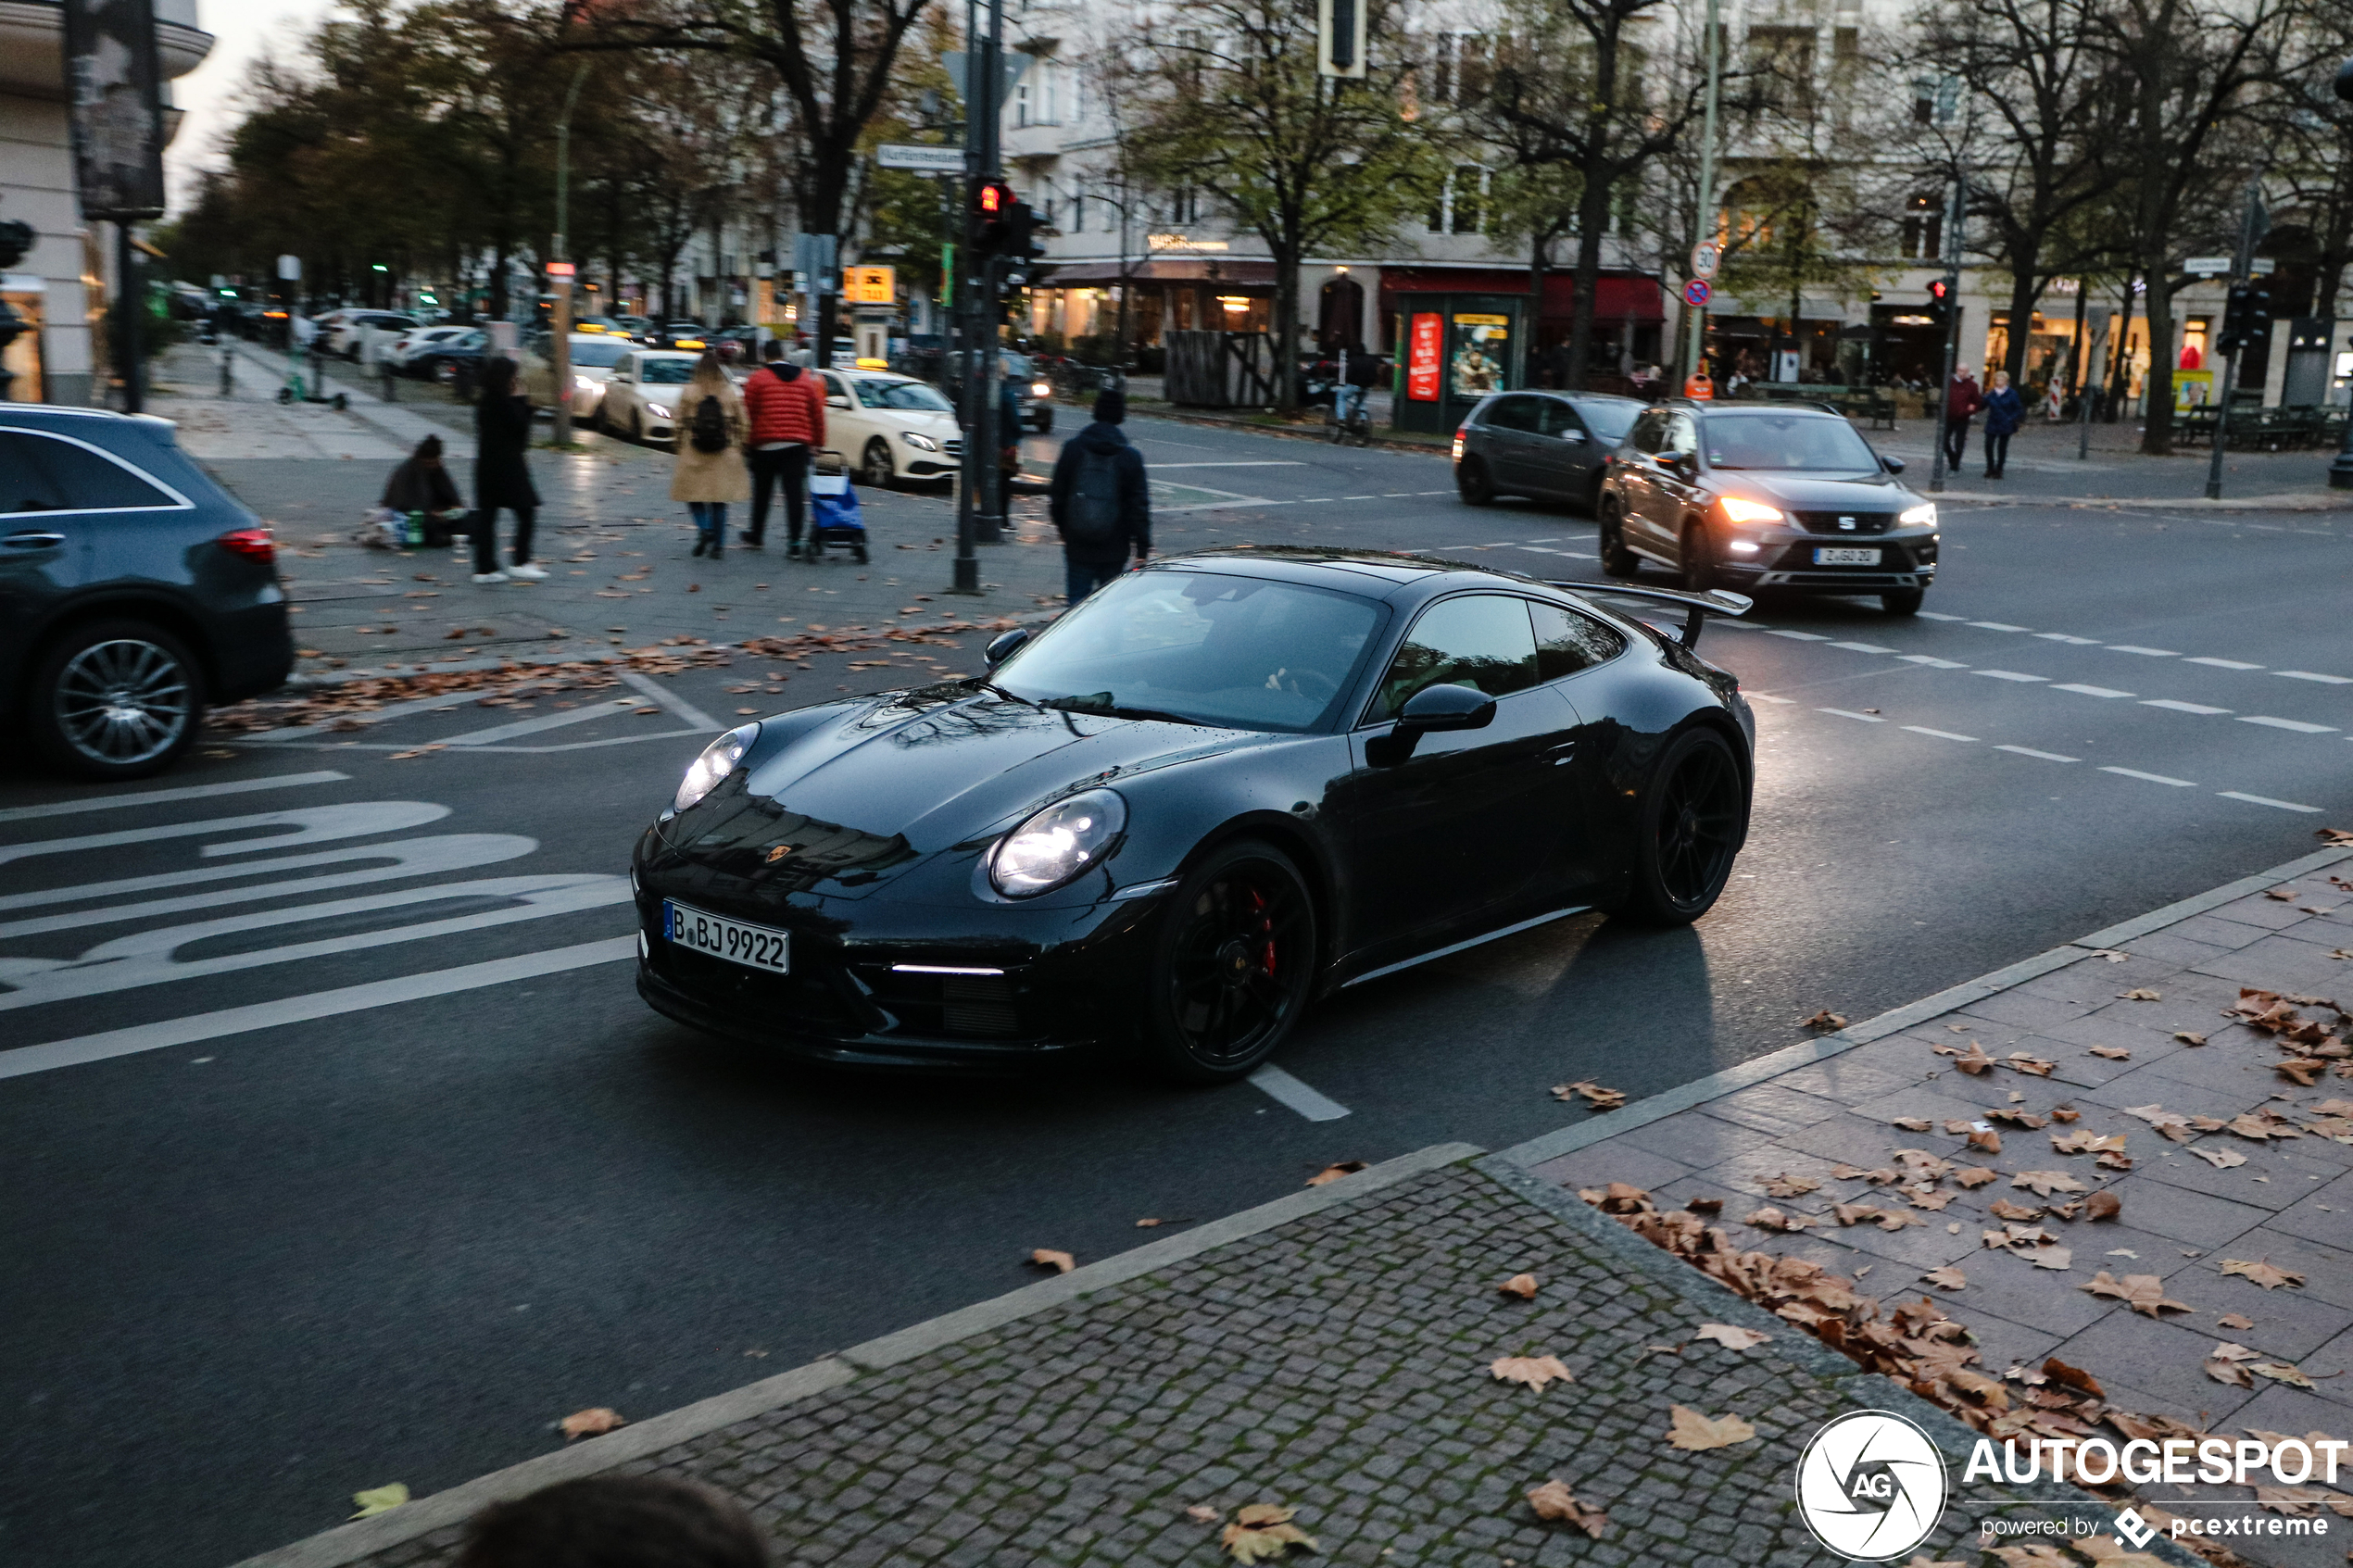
(164, 796)
(673, 702)
(318, 1004)
(311, 825)
(371, 716)
(543, 722)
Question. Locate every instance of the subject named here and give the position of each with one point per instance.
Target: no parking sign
(1697, 291)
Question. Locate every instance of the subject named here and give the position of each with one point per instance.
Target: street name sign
(923, 158)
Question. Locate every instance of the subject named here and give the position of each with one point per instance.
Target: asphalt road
(354, 1236)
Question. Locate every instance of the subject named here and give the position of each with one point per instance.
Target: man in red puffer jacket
(786, 407)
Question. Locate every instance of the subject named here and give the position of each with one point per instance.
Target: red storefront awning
(1616, 298)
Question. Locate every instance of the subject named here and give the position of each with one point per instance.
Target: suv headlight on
(1738, 510)
(1921, 515)
(919, 441)
(718, 760)
(1057, 845)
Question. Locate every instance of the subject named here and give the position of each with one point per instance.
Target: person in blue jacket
(2004, 411)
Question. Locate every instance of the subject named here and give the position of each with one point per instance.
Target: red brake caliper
(1267, 952)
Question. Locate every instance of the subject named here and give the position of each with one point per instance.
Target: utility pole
(560, 267)
(1952, 326)
(1704, 228)
(979, 505)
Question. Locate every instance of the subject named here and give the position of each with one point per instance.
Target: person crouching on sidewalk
(708, 472)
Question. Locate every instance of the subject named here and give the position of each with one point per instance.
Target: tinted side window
(1682, 435)
(24, 485)
(1479, 640)
(1568, 642)
(67, 477)
(1512, 413)
(1556, 418)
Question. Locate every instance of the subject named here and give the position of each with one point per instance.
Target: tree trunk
(2157, 437)
(1286, 327)
(1539, 246)
(2120, 376)
(1593, 217)
(2023, 293)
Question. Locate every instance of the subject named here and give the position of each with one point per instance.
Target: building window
(1184, 204)
(1078, 213)
(1923, 233)
(1461, 208)
(1780, 62)
(1460, 70)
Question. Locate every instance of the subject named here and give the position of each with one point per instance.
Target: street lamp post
(2341, 471)
(560, 269)
(1705, 228)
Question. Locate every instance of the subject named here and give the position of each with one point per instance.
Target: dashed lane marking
(2180, 707)
(2299, 725)
(2089, 691)
(165, 796)
(2009, 675)
(1931, 663)
(2150, 652)
(1996, 626)
(2265, 800)
(2310, 675)
(2223, 663)
(1863, 647)
(1289, 1092)
(1846, 713)
(2071, 642)
(2152, 778)
(2046, 755)
(1940, 735)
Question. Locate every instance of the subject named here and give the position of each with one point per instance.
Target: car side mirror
(1447, 707)
(1005, 645)
(836, 402)
(1572, 436)
(1892, 465)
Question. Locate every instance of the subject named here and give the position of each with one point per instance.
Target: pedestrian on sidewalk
(1962, 400)
(615, 1522)
(709, 472)
(502, 476)
(786, 407)
(1100, 501)
(2004, 411)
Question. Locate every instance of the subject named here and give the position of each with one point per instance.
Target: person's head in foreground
(615, 1522)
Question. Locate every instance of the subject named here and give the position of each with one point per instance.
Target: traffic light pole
(2235, 326)
(1951, 332)
(979, 509)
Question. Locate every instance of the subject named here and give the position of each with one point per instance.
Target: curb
(2287, 502)
(1168, 412)
(349, 1543)
(1715, 1086)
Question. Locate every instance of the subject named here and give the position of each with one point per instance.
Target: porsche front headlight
(1057, 843)
(718, 760)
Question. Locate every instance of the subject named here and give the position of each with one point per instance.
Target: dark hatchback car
(1223, 785)
(1767, 496)
(1547, 445)
(133, 591)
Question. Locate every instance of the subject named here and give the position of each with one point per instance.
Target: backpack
(1093, 516)
(708, 431)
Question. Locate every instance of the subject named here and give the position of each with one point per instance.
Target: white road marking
(2299, 725)
(1997, 626)
(2009, 675)
(1939, 615)
(2073, 642)
(2180, 707)
(1863, 647)
(2310, 675)
(1925, 659)
(2046, 755)
(146, 959)
(162, 796)
(1843, 713)
(302, 1009)
(2089, 691)
(1285, 1091)
(1396, 494)
(673, 702)
(543, 722)
(1798, 636)
(1764, 696)
(1940, 735)
(1360, 497)
(2151, 653)
(2152, 778)
(311, 825)
(1266, 463)
(411, 857)
(2265, 800)
(390, 710)
(2223, 663)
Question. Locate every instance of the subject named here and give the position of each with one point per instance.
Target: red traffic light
(1938, 290)
(993, 198)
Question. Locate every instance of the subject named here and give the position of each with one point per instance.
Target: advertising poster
(117, 114)
(1423, 343)
(1479, 355)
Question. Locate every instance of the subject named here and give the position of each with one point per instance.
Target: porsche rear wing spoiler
(1696, 608)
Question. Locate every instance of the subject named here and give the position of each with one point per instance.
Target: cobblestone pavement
(1335, 1364)
(2114, 1034)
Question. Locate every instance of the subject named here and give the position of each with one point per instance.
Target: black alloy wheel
(877, 470)
(1698, 558)
(1901, 601)
(117, 699)
(1695, 818)
(1617, 559)
(1234, 959)
(1472, 483)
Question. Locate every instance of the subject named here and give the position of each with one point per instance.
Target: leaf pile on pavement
(1553, 1500)
(1262, 1532)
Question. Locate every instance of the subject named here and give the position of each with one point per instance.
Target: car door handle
(1563, 754)
(33, 541)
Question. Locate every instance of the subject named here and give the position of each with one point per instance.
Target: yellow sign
(1482, 320)
(869, 285)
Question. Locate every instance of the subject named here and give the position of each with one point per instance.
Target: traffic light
(992, 216)
(1940, 301)
(1021, 247)
(2247, 317)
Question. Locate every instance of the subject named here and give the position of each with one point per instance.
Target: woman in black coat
(502, 433)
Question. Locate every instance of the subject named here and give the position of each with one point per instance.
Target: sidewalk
(1331, 1352)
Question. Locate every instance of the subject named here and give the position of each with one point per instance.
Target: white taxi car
(885, 426)
(642, 393)
(594, 359)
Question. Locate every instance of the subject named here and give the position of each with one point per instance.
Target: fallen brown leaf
(1912, 1123)
(1771, 1218)
(2188, 1037)
(2044, 1182)
(1594, 1095)
(1047, 1258)
(590, 1422)
(2050, 1258)
(1975, 1176)
(2003, 1208)
(2220, 1159)
(2143, 1293)
(1521, 1286)
(2114, 1053)
(1788, 1186)
(1946, 1278)
(1987, 1140)
(1535, 1371)
(2232, 1320)
(1695, 1432)
(1262, 1532)
(2140, 994)
(2103, 1206)
(1973, 1060)
(2263, 1272)
(1825, 1018)
(1330, 1173)
(2227, 1364)
(1555, 1500)
(1731, 1337)
(1201, 1514)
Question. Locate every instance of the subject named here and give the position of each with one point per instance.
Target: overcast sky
(242, 31)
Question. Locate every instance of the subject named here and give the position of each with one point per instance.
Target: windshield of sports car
(1205, 647)
(1785, 441)
(901, 395)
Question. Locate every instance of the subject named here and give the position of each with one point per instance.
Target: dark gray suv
(133, 591)
(1549, 446)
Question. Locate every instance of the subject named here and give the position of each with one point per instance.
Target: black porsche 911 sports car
(1229, 782)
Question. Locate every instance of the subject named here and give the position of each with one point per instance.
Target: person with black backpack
(710, 470)
(1100, 501)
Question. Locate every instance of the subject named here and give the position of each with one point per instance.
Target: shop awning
(1194, 270)
(1616, 298)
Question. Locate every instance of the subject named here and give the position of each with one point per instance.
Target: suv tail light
(254, 543)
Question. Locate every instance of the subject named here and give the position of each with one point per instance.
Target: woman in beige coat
(710, 472)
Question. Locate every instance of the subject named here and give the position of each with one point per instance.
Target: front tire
(1698, 561)
(1903, 601)
(877, 470)
(116, 699)
(1694, 819)
(1232, 965)
(1617, 559)
(1472, 483)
